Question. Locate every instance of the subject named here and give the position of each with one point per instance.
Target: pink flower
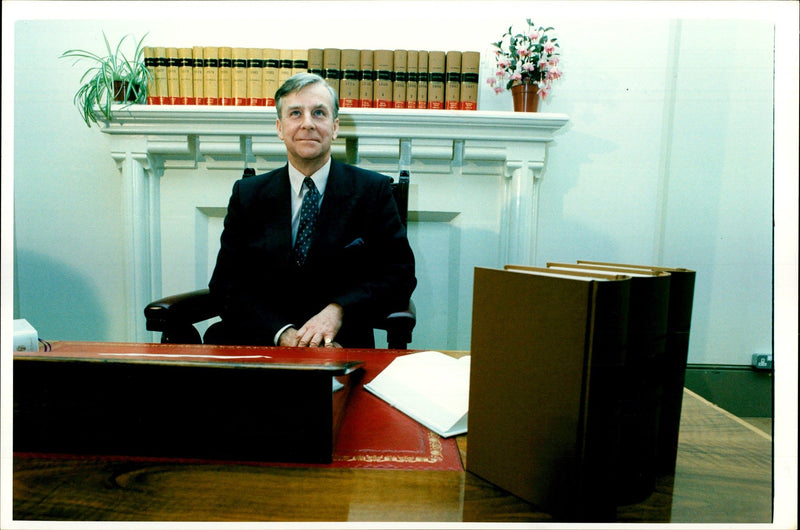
(524, 52)
(491, 81)
(549, 47)
(500, 74)
(516, 76)
(498, 89)
(529, 67)
(534, 36)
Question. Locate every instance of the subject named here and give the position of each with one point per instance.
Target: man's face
(307, 127)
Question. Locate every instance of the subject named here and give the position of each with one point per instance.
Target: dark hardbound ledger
(679, 322)
(544, 412)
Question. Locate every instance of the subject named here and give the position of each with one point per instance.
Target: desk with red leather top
(384, 467)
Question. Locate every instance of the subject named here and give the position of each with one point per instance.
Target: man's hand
(320, 330)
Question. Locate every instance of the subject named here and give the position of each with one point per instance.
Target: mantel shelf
(353, 122)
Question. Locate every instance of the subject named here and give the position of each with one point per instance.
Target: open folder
(430, 387)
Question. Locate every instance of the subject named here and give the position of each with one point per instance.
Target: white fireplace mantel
(148, 141)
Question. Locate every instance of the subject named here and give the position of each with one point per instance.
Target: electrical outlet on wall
(762, 361)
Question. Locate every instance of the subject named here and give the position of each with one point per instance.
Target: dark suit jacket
(360, 258)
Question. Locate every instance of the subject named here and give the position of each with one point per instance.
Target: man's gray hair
(298, 82)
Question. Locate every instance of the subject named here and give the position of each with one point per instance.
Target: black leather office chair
(175, 316)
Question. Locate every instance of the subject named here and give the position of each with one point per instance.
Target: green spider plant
(113, 77)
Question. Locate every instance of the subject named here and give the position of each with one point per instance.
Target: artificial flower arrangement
(530, 57)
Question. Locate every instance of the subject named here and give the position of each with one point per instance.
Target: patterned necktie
(308, 220)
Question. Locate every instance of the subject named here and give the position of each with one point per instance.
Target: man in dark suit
(312, 253)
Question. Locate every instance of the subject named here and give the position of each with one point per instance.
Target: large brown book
(399, 79)
(452, 88)
(350, 85)
(181, 401)
(186, 76)
(436, 79)
(679, 322)
(547, 350)
(643, 374)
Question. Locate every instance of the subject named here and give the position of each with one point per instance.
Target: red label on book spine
(212, 101)
(399, 104)
(383, 104)
(153, 100)
(411, 104)
(366, 103)
(469, 105)
(226, 102)
(435, 105)
(240, 102)
(453, 105)
(349, 102)
(270, 102)
(258, 102)
(191, 101)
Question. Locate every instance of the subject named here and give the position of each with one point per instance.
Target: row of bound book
(399, 79)
(576, 382)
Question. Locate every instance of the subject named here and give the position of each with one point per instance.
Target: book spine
(452, 91)
(239, 77)
(151, 62)
(681, 297)
(384, 66)
(173, 76)
(366, 92)
(186, 76)
(316, 64)
(422, 80)
(299, 61)
(226, 75)
(210, 75)
(162, 89)
(399, 79)
(285, 71)
(197, 74)
(272, 66)
(350, 82)
(332, 59)
(436, 79)
(412, 79)
(470, 75)
(647, 329)
(255, 75)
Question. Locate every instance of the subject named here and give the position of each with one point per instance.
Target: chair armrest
(399, 326)
(184, 308)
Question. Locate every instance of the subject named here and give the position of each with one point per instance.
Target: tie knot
(310, 184)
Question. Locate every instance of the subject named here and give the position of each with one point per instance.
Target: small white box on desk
(25, 336)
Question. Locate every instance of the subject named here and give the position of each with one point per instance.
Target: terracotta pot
(526, 97)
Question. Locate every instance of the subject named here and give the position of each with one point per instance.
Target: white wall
(667, 158)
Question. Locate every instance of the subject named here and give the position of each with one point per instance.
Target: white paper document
(430, 387)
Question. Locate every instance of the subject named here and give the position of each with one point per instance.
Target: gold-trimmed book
(452, 89)
(470, 75)
(350, 85)
(225, 75)
(399, 79)
(436, 80)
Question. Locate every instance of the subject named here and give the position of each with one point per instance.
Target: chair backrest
(400, 192)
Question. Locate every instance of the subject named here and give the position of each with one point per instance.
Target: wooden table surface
(723, 475)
